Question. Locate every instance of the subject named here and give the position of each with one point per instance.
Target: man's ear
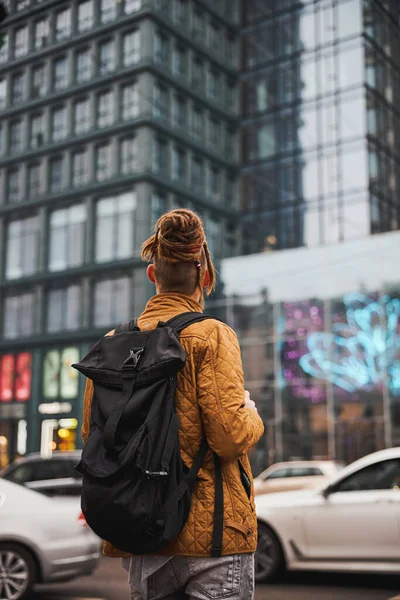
(151, 273)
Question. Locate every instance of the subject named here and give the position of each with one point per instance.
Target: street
(109, 583)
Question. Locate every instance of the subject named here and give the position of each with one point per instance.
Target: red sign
(7, 377)
(23, 376)
(15, 377)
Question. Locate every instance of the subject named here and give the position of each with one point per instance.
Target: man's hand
(249, 403)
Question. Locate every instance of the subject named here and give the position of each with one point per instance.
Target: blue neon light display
(362, 353)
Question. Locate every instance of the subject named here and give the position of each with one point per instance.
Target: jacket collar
(169, 304)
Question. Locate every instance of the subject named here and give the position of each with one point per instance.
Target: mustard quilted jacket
(210, 400)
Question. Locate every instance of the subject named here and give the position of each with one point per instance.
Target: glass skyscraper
(321, 123)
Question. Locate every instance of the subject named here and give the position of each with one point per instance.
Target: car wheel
(17, 572)
(269, 556)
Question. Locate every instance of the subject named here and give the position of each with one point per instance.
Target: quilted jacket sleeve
(231, 428)
(87, 404)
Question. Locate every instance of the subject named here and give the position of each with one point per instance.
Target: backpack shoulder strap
(127, 326)
(180, 322)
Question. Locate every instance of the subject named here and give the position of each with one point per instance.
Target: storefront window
(60, 380)
(15, 377)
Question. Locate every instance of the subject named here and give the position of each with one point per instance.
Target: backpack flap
(159, 350)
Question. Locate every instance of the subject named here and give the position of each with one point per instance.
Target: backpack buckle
(155, 475)
(133, 358)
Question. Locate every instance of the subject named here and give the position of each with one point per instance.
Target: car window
(278, 474)
(21, 473)
(304, 472)
(52, 469)
(384, 475)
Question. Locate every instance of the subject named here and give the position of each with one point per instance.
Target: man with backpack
(167, 428)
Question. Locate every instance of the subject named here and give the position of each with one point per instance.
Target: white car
(295, 475)
(351, 524)
(42, 540)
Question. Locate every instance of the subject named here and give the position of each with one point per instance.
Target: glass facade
(321, 91)
(320, 336)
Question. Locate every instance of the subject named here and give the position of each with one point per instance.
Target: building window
(16, 371)
(3, 93)
(103, 162)
(112, 301)
(131, 48)
(215, 134)
(179, 112)
(56, 174)
(213, 87)
(179, 61)
(80, 168)
(160, 48)
(212, 233)
(197, 174)
(230, 191)
(115, 229)
(22, 247)
(213, 184)
(21, 42)
(60, 380)
(230, 95)
(19, 316)
(160, 158)
(214, 36)
(198, 75)
(39, 82)
(60, 73)
(14, 186)
(85, 16)
(82, 116)
(22, 5)
(162, 5)
(108, 11)
(59, 124)
(34, 180)
(180, 12)
(4, 50)
(231, 144)
(158, 206)
(15, 137)
(160, 103)
(128, 155)
(105, 109)
(231, 50)
(67, 237)
(197, 125)
(37, 131)
(130, 101)
(17, 88)
(83, 66)
(41, 34)
(178, 164)
(63, 24)
(132, 6)
(107, 57)
(199, 28)
(64, 309)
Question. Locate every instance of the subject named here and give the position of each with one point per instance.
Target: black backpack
(136, 490)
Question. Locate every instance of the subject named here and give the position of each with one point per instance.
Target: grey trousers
(191, 578)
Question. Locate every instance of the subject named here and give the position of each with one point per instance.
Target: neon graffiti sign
(362, 353)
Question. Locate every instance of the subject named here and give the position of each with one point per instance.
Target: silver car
(42, 540)
(53, 476)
